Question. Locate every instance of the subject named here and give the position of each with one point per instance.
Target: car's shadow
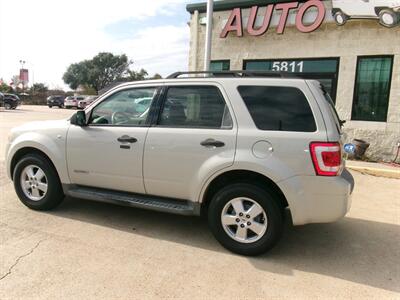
(361, 251)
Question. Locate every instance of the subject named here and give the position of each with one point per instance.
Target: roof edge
(227, 5)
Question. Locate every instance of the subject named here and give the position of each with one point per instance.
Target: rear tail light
(327, 158)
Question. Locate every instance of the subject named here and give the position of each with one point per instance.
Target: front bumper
(318, 199)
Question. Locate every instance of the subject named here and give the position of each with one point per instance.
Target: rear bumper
(317, 199)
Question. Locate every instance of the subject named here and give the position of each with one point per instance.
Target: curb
(376, 171)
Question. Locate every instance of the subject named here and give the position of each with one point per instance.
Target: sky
(51, 34)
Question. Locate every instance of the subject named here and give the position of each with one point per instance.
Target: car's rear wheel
(340, 18)
(50, 106)
(388, 18)
(245, 219)
(7, 105)
(37, 183)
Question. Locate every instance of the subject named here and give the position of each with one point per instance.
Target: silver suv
(240, 148)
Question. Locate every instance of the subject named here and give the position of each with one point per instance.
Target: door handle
(212, 143)
(127, 139)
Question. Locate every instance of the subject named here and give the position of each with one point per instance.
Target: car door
(194, 137)
(108, 152)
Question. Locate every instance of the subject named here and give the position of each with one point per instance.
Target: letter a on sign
(234, 24)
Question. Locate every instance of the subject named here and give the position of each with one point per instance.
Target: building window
(372, 88)
(325, 70)
(220, 65)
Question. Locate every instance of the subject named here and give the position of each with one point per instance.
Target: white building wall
(356, 38)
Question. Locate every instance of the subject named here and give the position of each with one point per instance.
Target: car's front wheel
(245, 219)
(388, 18)
(37, 183)
(7, 105)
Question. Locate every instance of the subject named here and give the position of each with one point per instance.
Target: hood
(38, 125)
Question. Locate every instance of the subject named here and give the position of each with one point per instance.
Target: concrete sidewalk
(375, 169)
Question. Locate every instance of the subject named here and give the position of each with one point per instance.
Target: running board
(180, 207)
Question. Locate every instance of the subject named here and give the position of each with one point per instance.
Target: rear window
(278, 108)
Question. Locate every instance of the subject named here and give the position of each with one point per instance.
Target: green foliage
(156, 76)
(98, 72)
(102, 70)
(87, 90)
(5, 88)
(39, 88)
(134, 76)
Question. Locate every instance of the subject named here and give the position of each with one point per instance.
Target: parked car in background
(87, 101)
(72, 101)
(388, 12)
(55, 100)
(10, 101)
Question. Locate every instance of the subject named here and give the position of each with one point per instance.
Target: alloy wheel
(244, 220)
(34, 183)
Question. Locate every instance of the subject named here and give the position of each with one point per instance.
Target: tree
(98, 72)
(134, 76)
(39, 88)
(156, 76)
(5, 88)
(77, 74)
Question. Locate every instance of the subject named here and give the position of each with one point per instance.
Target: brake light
(327, 158)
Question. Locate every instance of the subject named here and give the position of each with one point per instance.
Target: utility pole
(22, 62)
(207, 54)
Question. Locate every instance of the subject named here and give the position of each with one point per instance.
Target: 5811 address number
(287, 66)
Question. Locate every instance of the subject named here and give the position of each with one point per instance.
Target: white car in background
(87, 101)
(72, 101)
(387, 11)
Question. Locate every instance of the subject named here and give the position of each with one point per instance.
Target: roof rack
(237, 73)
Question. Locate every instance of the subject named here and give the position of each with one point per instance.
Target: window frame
(152, 109)
(355, 94)
(163, 97)
(280, 131)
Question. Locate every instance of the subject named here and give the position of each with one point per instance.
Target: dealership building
(351, 46)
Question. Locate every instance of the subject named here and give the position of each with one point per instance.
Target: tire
(60, 106)
(50, 106)
(388, 18)
(340, 18)
(54, 194)
(253, 245)
(7, 106)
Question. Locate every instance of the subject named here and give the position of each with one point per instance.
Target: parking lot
(86, 250)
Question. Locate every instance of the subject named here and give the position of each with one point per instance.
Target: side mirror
(79, 118)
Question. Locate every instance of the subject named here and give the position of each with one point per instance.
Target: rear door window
(195, 107)
(278, 108)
